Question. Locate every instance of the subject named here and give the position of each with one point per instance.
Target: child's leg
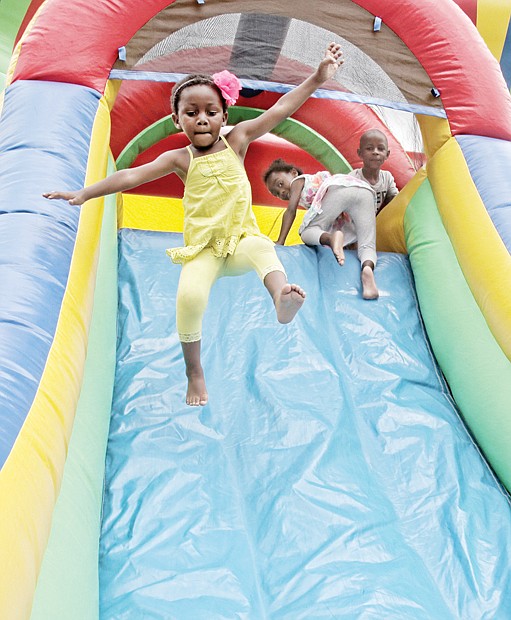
(196, 392)
(197, 278)
(287, 298)
(369, 288)
(258, 253)
(361, 210)
(322, 229)
(315, 235)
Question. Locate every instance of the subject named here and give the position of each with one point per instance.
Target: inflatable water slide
(353, 464)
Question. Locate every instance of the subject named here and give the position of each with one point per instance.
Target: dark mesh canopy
(275, 45)
(271, 49)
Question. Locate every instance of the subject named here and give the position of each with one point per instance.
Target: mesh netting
(271, 38)
(302, 42)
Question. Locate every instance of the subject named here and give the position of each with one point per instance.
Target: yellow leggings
(199, 274)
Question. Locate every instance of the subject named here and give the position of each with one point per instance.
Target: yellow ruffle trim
(219, 247)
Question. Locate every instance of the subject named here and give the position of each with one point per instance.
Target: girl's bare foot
(288, 302)
(197, 394)
(336, 243)
(369, 289)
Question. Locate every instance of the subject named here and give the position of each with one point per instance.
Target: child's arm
(122, 180)
(290, 213)
(247, 131)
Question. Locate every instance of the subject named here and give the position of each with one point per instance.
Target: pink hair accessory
(229, 86)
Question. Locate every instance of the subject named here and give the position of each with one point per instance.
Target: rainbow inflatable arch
(87, 89)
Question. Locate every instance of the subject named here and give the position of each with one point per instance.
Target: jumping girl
(221, 236)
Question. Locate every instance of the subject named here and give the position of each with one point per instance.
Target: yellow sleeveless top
(217, 205)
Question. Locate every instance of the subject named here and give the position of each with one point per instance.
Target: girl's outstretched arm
(290, 213)
(122, 180)
(247, 131)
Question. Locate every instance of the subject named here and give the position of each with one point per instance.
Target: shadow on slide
(330, 476)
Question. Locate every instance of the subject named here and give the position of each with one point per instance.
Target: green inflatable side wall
(452, 317)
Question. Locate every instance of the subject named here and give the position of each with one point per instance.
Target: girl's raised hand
(74, 198)
(330, 63)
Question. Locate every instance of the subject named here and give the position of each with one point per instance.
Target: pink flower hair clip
(229, 86)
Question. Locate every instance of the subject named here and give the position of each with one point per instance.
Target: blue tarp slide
(330, 475)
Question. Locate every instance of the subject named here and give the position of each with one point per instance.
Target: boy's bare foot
(288, 302)
(197, 394)
(369, 289)
(336, 243)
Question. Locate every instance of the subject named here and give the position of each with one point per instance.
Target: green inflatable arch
(291, 130)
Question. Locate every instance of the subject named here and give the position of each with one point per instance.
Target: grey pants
(358, 203)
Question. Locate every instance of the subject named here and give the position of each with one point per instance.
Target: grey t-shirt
(385, 189)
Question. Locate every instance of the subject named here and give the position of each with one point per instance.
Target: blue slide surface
(330, 475)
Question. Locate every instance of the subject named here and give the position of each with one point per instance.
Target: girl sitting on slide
(326, 197)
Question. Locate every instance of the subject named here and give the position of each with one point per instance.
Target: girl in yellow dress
(221, 236)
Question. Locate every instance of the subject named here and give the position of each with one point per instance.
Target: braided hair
(279, 165)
